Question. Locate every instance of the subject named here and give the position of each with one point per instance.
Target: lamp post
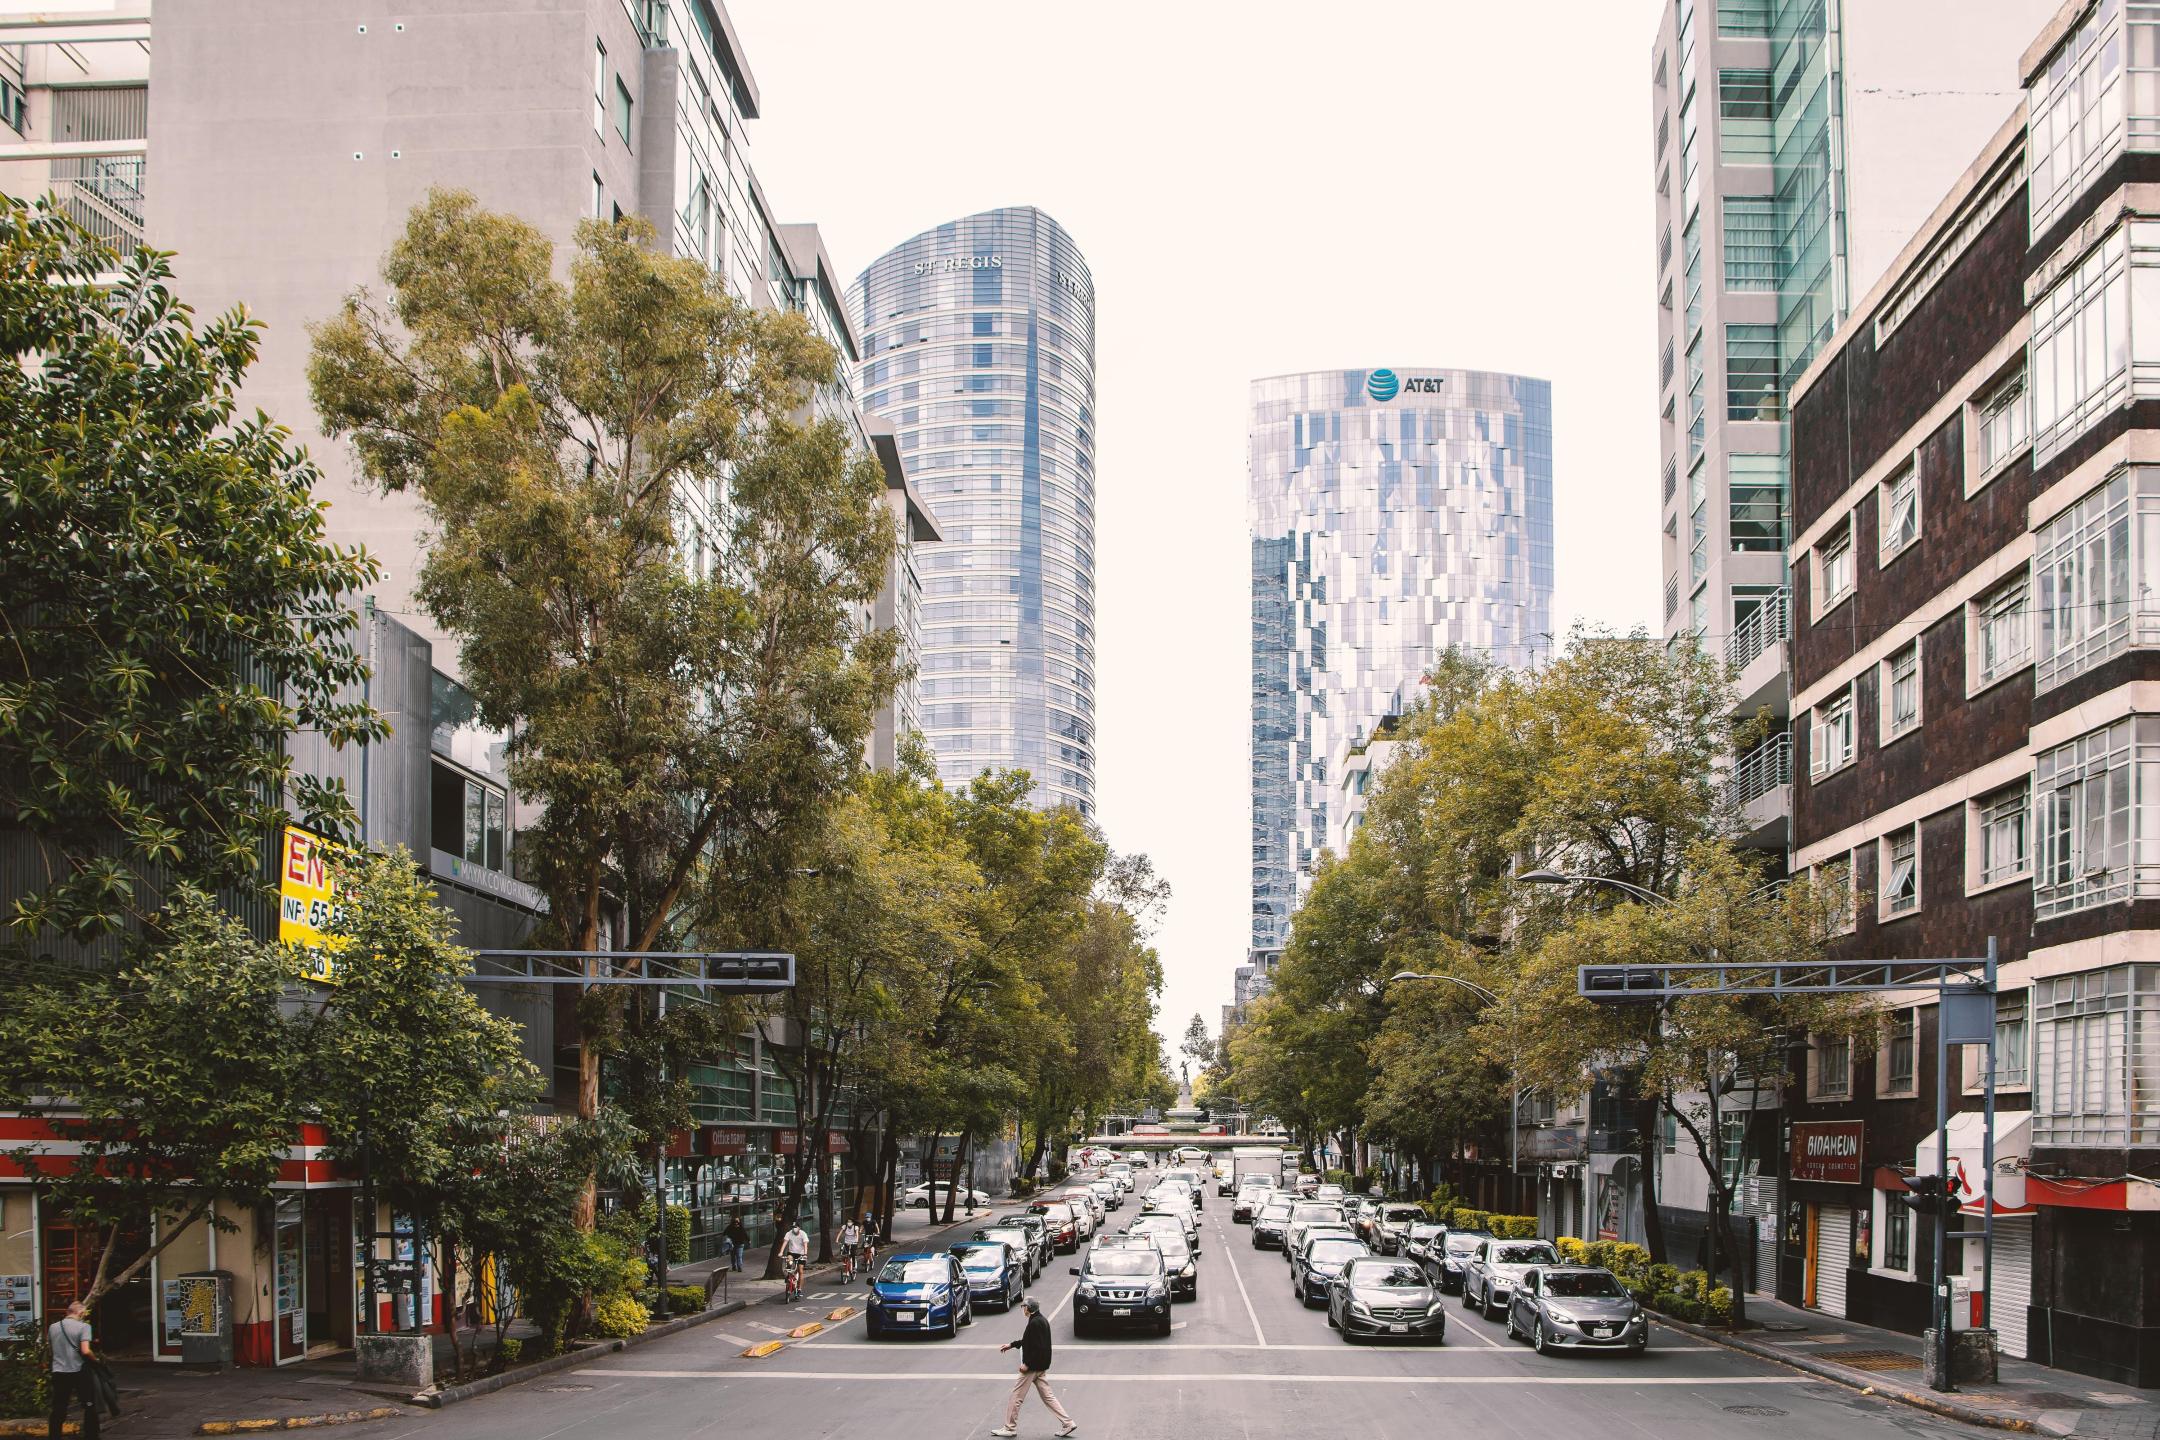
(1514, 1077)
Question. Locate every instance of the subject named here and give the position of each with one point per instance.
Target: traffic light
(1929, 1195)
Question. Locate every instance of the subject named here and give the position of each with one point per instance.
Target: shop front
(1827, 1222)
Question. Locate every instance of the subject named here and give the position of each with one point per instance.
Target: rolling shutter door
(2013, 1283)
(1833, 1252)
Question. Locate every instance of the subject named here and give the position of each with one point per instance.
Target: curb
(1855, 1380)
(473, 1389)
(298, 1422)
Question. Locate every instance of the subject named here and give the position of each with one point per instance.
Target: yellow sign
(307, 900)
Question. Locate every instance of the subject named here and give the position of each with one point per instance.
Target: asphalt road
(1245, 1360)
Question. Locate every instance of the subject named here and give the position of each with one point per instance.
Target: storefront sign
(307, 901)
(1827, 1152)
(786, 1142)
(1552, 1142)
(722, 1141)
(836, 1143)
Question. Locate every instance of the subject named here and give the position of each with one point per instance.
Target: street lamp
(1555, 877)
(1514, 1167)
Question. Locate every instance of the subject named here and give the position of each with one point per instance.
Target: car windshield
(1314, 1210)
(1524, 1255)
(1463, 1243)
(1333, 1252)
(1586, 1286)
(1124, 1262)
(1174, 1251)
(1403, 1212)
(1387, 1272)
(982, 1257)
(1276, 1210)
(1425, 1230)
(914, 1272)
(1018, 1239)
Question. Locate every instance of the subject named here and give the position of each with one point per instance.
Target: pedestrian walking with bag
(71, 1378)
(1034, 1343)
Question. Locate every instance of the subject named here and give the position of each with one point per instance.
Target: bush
(1022, 1187)
(1339, 1177)
(1514, 1227)
(678, 1234)
(24, 1363)
(508, 1353)
(1573, 1250)
(685, 1299)
(1719, 1306)
(1685, 1295)
(619, 1316)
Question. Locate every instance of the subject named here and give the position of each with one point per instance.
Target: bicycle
(792, 1268)
(847, 1263)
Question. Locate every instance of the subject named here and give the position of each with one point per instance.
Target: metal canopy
(1646, 984)
(727, 972)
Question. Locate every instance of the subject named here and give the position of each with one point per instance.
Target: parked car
(1391, 1226)
(1310, 1212)
(1251, 1195)
(1271, 1222)
(1386, 1298)
(917, 1197)
(1124, 1284)
(1454, 1253)
(1583, 1307)
(1181, 1258)
(923, 1291)
(1489, 1279)
(1039, 1228)
(995, 1272)
(1064, 1223)
(1022, 1243)
(1314, 1267)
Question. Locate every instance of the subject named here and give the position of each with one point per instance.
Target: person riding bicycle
(851, 1238)
(794, 1252)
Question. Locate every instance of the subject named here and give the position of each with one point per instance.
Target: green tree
(178, 1080)
(655, 565)
(170, 611)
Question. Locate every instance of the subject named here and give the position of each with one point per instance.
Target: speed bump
(804, 1332)
(845, 1312)
(763, 1348)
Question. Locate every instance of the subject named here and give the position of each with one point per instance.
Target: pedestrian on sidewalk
(738, 1239)
(71, 1379)
(1034, 1343)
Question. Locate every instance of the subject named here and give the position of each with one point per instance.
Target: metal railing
(1672, 477)
(1761, 770)
(1672, 595)
(104, 195)
(1770, 623)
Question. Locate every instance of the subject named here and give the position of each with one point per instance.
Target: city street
(1244, 1360)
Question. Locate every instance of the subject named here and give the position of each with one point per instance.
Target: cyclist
(794, 1255)
(869, 1241)
(851, 1238)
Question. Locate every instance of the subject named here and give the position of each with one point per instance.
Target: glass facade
(1393, 514)
(979, 347)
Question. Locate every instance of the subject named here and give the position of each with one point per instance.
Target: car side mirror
(1074, 1270)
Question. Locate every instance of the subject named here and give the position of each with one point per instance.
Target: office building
(979, 350)
(1393, 514)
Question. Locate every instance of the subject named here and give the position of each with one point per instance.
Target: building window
(1751, 242)
(1751, 373)
(1833, 569)
(1900, 692)
(2075, 107)
(2001, 631)
(2096, 818)
(2096, 1047)
(2005, 424)
(2080, 363)
(1744, 18)
(1691, 261)
(1901, 873)
(1898, 501)
(2005, 834)
(1699, 542)
(2010, 1019)
(1830, 1064)
(1755, 493)
(599, 89)
(1831, 745)
(1744, 115)
(1697, 400)
(1896, 1232)
(622, 110)
(2088, 563)
(1898, 1077)
(599, 197)
(468, 818)
(1837, 876)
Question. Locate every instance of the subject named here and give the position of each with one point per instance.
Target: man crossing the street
(1034, 1343)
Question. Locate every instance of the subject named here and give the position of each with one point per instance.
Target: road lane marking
(1243, 1294)
(1067, 1377)
(1148, 1347)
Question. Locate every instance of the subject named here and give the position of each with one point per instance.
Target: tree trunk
(1648, 1155)
(823, 1164)
(888, 1178)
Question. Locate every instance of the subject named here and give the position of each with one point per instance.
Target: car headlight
(1087, 1289)
(1188, 1272)
(1438, 1307)
(1560, 1315)
(1359, 1307)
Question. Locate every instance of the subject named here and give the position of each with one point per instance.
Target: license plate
(1398, 1329)
(903, 1314)
(1121, 1313)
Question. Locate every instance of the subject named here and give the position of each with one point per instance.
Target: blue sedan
(919, 1290)
(993, 1273)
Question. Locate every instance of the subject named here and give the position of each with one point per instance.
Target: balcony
(104, 195)
(1761, 786)
(1756, 652)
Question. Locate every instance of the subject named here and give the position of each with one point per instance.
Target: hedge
(1464, 1217)
(1682, 1294)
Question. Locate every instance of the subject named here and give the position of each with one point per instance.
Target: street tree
(171, 611)
(654, 560)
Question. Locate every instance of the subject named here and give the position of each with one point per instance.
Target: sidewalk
(164, 1402)
(2026, 1396)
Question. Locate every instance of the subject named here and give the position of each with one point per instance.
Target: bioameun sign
(1827, 1151)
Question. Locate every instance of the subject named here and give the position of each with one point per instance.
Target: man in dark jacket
(1034, 1343)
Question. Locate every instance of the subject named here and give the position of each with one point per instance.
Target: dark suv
(1123, 1286)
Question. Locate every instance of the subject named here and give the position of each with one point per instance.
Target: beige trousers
(1040, 1379)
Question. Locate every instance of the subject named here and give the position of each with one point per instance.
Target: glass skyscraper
(1393, 514)
(979, 348)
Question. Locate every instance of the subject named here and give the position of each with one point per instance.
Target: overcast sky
(1258, 188)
